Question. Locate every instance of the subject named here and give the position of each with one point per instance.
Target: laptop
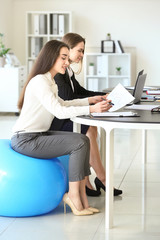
(138, 89)
(139, 74)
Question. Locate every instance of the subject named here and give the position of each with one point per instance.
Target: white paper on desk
(141, 107)
(120, 97)
(114, 114)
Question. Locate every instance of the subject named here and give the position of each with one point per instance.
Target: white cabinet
(42, 27)
(11, 83)
(104, 73)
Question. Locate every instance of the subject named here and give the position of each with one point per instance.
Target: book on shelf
(93, 84)
(36, 45)
(30, 65)
(61, 24)
(101, 65)
(36, 24)
(119, 46)
(42, 24)
(54, 24)
(33, 43)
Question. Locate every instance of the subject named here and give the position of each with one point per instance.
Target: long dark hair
(72, 39)
(44, 62)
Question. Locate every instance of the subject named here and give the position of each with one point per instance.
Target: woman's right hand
(102, 106)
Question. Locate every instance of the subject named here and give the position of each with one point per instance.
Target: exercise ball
(29, 186)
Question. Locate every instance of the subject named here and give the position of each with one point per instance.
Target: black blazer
(65, 92)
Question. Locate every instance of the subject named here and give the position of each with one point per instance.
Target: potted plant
(91, 68)
(3, 51)
(108, 36)
(118, 70)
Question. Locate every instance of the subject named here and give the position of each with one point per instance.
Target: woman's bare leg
(83, 195)
(74, 194)
(95, 159)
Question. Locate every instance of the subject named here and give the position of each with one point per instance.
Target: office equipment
(11, 81)
(153, 92)
(139, 74)
(115, 114)
(42, 24)
(139, 88)
(119, 46)
(54, 24)
(61, 24)
(36, 24)
(93, 84)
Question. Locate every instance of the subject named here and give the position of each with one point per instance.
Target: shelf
(43, 26)
(118, 76)
(96, 76)
(104, 68)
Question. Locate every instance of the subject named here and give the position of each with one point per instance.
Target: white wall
(134, 22)
(6, 16)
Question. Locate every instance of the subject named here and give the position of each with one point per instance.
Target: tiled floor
(136, 212)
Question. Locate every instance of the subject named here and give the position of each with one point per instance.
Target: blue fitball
(29, 186)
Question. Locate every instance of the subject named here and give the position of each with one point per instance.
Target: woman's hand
(102, 106)
(96, 99)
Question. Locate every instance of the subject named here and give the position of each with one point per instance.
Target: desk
(146, 121)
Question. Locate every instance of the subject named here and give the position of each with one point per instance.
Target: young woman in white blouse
(39, 104)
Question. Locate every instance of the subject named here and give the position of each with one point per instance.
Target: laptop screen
(139, 74)
(139, 88)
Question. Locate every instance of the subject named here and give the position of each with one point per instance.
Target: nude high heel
(94, 210)
(75, 211)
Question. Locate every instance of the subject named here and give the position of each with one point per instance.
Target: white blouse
(42, 104)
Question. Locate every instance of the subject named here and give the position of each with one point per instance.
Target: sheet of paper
(114, 114)
(120, 97)
(141, 107)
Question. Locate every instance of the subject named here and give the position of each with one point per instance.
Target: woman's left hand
(96, 99)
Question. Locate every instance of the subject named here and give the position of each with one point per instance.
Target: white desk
(145, 122)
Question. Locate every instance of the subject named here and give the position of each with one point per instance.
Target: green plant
(3, 50)
(108, 36)
(118, 69)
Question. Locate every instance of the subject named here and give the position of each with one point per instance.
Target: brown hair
(44, 62)
(72, 39)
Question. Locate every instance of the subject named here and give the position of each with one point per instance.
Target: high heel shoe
(94, 210)
(75, 211)
(100, 185)
(92, 192)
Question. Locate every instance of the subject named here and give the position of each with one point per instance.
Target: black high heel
(100, 185)
(92, 192)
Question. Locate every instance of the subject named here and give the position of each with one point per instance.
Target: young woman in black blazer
(69, 89)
